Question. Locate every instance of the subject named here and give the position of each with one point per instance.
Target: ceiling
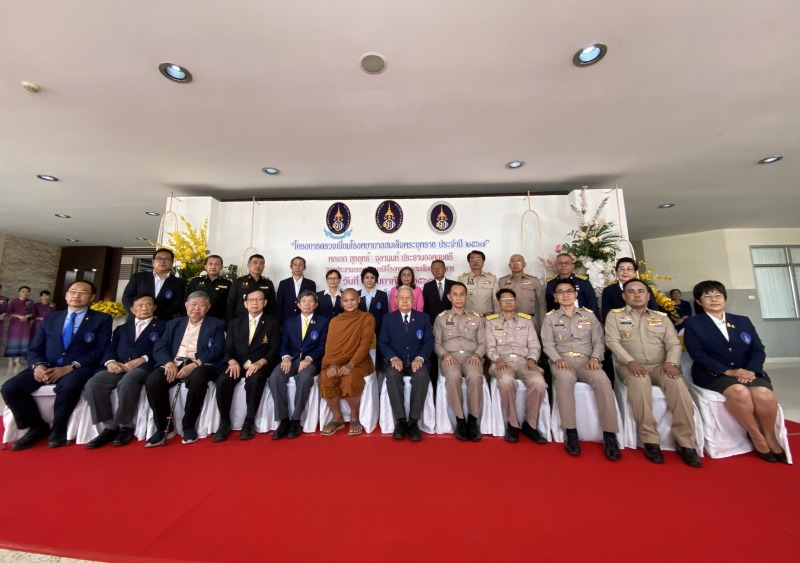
(689, 97)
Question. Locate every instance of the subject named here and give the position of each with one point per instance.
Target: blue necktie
(69, 328)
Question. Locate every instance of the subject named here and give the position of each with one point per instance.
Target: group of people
(469, 328)
(24, 318)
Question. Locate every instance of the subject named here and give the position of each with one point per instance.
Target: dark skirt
(722, 382)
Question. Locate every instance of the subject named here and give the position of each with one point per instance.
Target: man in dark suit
(66, 351)
(243, 285)
(302, 349)
(190, 350)
(128, 361)
(406, 343)
(168, 290)
(435, 301)
(251, 350)
(565, 270)
(215, 285)
(289, 290)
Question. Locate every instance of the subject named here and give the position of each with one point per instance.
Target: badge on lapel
(265, 340)
(314, 334)
(153, 336)
(89, 338)
(210, 343)
(378, 305)
(419, 334)
(746, 338)
(168, 294)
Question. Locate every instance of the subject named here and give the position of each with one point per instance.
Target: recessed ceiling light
(271, 171)
(373, 63)
(73, 240)
(770, 159)
(590, 54)
(515, 164)
(176, 73)
(94, 269)
(62, 216)
(151, 213)
(47, 177)
(74, 269)
(666, 205)
(141, 238)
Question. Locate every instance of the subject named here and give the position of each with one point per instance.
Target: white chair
(499, 419)
(587, 417)
(724, 436)
(368, 409)
(45, 398)
(203, 421)
(386, 420)
(446, 418)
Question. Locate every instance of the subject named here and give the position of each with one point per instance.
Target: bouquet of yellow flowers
(648, 277)
(190, 246)
(113, 308)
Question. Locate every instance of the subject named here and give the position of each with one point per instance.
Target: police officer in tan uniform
(647, 351)
(481, 286)
(513, 347)
(461, 345)
(529, 290)
(572, 338)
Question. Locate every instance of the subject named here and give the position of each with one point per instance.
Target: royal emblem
(389, 216)
(337, 221)
(441, 217)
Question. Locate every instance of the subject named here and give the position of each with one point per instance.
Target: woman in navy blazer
(330, 300)
(729, 359)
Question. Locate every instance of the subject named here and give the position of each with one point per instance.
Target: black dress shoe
(781, 457)
(248, 431)
(124, 436)
(105, 437)
(400, 429)
(533, 434)
(769, 456)
(472, 428)
(512, 433)
(611, 449)
(222, 432)
(31, 438)
(461, 429)
(294, 430)
(282, 430)
(57, 439)
(653, 453)
(689, 456)
(414, 433)
(572, 445)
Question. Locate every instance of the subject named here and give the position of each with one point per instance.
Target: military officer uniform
(461, 336)
(516, 342)
(241, 287)
(530, 296)
(481, 292)
(217, 291)
(652, 341)
(576, 340)
(586, 294)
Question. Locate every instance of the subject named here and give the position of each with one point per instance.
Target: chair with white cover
(368, 409)
(45, 398)
(386, 420)
(723, 435)
(499, 418)
(204, 421)
(587, 417)
(81, 426)
(446, 418)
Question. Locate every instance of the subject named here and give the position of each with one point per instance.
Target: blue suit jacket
(326, 308)
(312, 345)
(712, 354)
(394, 340)
(124, 346)
(286, 304)
(210, 342)
(86, 348)
(378, 308)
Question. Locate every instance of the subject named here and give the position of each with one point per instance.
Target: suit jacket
(210, 342)
(712, 354)
(87, 345)
(395, 340)
(265, 345)
(313, 345)
(326, 308)
(430, 296)
(378, 308)
(286, 305)
(586, 295)
(124, 345)
(169, 301)
(612, 299)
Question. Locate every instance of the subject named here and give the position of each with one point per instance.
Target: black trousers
(253, 388)
(157, 389)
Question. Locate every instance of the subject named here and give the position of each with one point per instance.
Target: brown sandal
(332, 428)
(355, 428)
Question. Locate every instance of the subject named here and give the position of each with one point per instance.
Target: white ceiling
(689, 97)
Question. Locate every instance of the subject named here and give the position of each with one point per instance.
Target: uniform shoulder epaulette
(475, 313)
(442, 313)
(618, 310)
(490, 274)
(581, 277)
(551, 279)
(524, 316)
(659, 313)
(491, 317)
(587, 309)
(550, 312)
(464, 274)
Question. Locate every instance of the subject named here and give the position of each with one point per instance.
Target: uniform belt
(512, 356)
(460, 352)
(574, 355)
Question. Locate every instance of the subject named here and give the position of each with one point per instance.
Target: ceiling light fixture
(47, 177)
(62, 216)
(372, 63)
(72, 240)
(515, 164)
(176, 73)
(271, 171)
(151, 213)
(141, 238)
(590, 54)
(666, 205)
(770, 159)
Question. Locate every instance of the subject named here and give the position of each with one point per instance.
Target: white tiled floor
(7, 556)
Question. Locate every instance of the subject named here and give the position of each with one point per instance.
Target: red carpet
(369, 498)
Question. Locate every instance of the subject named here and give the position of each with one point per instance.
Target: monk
(346, 362)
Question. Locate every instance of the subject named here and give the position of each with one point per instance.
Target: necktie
(305, 328)
(405, 321)
(441, 291)
(66, 334)
(252, 330)
(139, 328)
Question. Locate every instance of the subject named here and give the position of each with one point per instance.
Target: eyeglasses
(565, 291)
(504, 299)
(80, 292)
(713, 296)
(626, 269)
(476, 259)
(160, 259)
(254, 299)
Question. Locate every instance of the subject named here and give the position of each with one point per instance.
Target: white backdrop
(284, 229)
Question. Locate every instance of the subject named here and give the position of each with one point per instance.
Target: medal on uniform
(729, 325)
(560, 338)
(627, 334)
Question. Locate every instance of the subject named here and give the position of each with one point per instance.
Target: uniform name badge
(654, 322)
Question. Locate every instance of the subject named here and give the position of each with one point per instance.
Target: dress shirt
(720, 324)
(188, 347)
(159, 282)
(368, 295)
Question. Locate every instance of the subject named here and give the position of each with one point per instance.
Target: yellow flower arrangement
(113, 308)
(190, 246)
(648, 277)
